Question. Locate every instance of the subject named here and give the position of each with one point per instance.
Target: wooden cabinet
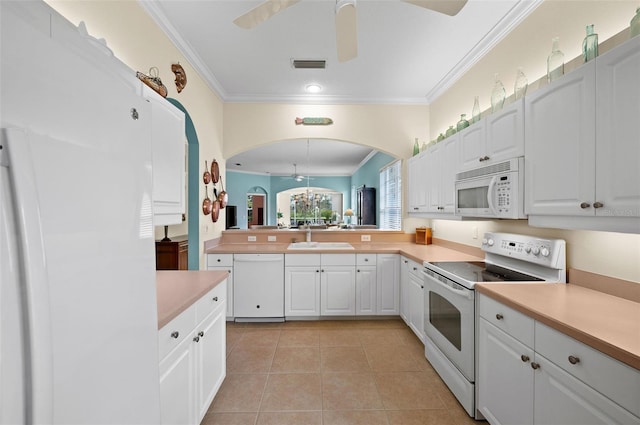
(388, 284)
(582, 150)
(168, 159)
(224, 262)
(172, 255)
(529, 373)
(302, 285)
(412, 296)
(193, 359)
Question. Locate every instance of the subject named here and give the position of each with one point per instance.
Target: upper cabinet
(582, 152)
(496, 138)
(168, 159)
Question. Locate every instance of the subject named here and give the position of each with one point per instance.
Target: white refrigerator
(78, 314)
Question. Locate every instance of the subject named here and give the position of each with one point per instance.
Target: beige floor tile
(350, 391)
(264, 325)
(233, 336)
(408, 390)
(354, 417)
(379, 337)
(250, 359)
(290, 418)
(419, 417)
(240, 393)
(252, 337)
(292, 391)
(213, 418)
(296, 359)
(339, 337)
(380, 324)
(407, 336)
(343, 359)
(390, 358)
(299, 338)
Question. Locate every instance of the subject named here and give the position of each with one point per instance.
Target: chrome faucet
(308, 233)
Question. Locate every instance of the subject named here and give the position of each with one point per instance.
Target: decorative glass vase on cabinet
(634, 26)
(498, 94)
(590, 45)
(475, 113)
(463, 123)
(555, 61)
(521, 84)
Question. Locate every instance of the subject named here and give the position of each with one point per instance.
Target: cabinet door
(388, 284)
(229, 287)
(177, 396)
(505, 377)
(472, 146)
(338, 291)
(404, 289)
(366, 290)
(449, 166)
(416, 309)
(560, 147)
(562, 399)
(302, 291)
(168, 158)
(618, 132)
(505, 134)
(432, 167)
(417, 187)
(210, 359)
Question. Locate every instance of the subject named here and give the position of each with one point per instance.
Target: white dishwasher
(258, 285)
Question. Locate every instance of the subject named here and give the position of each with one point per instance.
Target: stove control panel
(547, 252)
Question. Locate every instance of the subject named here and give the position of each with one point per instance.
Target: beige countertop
(418, 253)
(179, 289)
(607, 323)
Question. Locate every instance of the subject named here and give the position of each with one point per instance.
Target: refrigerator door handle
(39, 365)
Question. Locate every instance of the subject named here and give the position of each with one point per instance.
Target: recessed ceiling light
(313, 88)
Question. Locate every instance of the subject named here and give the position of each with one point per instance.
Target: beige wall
(136, 40)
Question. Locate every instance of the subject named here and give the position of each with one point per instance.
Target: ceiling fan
(346, 33)
(297, 177)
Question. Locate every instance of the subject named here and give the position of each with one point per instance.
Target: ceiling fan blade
(262, 12)
(448, 7)
(346, 30)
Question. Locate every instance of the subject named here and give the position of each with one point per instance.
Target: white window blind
(391, 196)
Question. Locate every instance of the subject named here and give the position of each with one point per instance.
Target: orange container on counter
(423, 235)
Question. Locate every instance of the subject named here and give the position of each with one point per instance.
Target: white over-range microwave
(492, 191)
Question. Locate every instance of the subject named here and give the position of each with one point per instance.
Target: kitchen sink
(320, 245)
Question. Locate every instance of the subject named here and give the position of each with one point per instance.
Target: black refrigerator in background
(366, 205)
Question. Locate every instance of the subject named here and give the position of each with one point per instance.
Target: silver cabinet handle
(201, 333)
(196, 339)
(535, 365)
(499, 316)
(598, 205)
(175, 334)
(585, 205)
(524, 358)
(215, 298)
(366, 259)
(574, 359)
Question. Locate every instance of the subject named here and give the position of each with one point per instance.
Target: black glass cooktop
(479, 271)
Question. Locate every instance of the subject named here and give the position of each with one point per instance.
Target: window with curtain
(391, 196)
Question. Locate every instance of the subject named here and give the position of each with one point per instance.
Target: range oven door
(449, 320)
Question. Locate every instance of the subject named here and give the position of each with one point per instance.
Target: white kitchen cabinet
(496, 138)
(440, 168)
(193, 359)
(417, 185)
(302, 290)
(224, 262)
(404, 289)
(388, 284)
(582, 152)
(366, 281)
(338, 285)
(168, 159)
(412, 296)
(531, 374)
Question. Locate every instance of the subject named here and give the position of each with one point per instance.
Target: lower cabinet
(193, 359)
(337, 291)
(302, 291)
(224, 262)
(388, 284)
(556, 380)
(412, 296)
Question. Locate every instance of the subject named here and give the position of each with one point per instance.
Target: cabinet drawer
(218, 260)
(338, 259)
(615, 380)
(170, 336)
(302, 260)
(214, 298)
(509, 320)
(366, 259)
(415, 269)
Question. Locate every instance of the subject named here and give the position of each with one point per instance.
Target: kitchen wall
(135, 39)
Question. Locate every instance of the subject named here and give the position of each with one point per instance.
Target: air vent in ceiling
(309, 63)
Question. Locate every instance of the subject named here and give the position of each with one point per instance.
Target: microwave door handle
(492, 186)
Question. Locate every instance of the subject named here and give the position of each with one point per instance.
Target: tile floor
(330, 373)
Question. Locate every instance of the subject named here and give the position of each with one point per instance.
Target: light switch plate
(251, 238)
(365, 238)
(271, 238)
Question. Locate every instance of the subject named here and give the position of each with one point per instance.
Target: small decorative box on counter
(423, 235)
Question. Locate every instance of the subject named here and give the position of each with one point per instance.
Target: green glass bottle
(416, 147)
(590, 45)
(634, 27)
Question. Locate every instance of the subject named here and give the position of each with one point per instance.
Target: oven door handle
(463, 293)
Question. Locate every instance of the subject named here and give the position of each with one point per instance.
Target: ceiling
(406, 55)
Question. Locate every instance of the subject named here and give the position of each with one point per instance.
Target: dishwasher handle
(257, 258)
